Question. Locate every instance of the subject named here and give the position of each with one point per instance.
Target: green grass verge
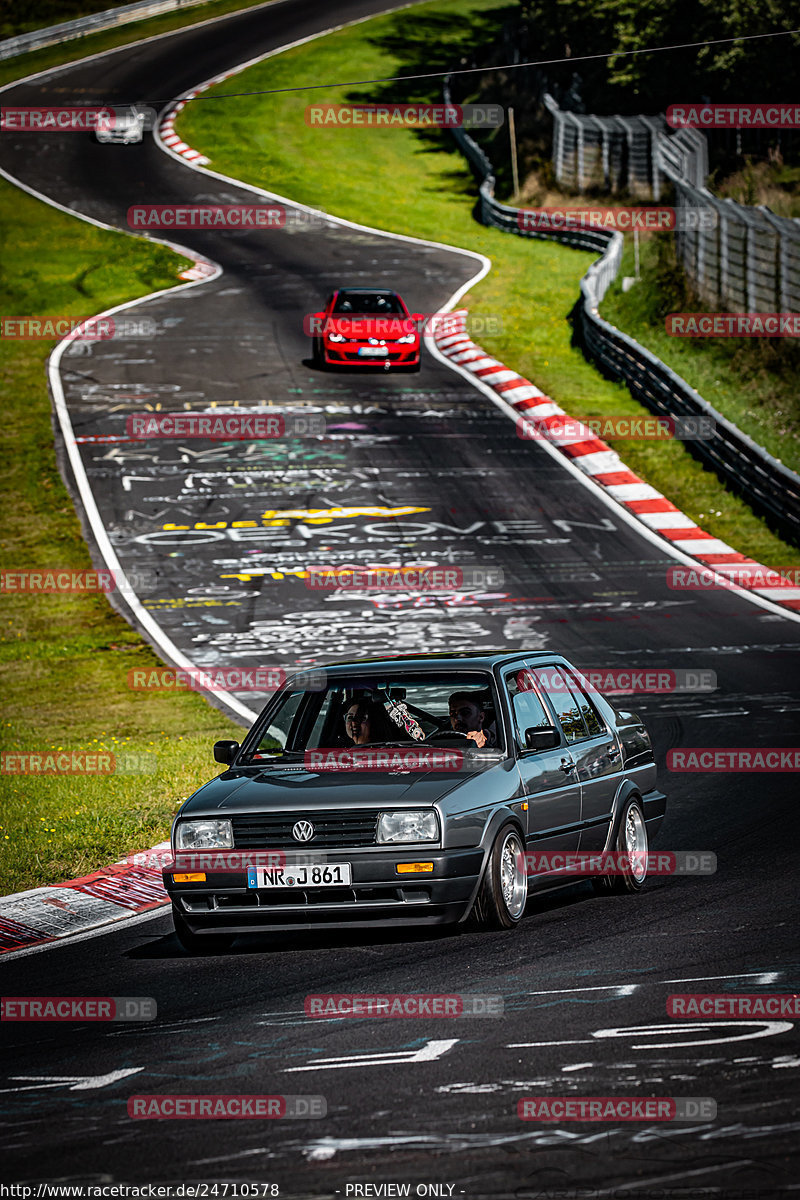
(64, 659)
(751, 381)
(417, 183)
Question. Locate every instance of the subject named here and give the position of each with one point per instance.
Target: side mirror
(225, 752)
(542, 739)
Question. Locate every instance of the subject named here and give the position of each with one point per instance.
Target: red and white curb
(596, 459)
(166, 130)
(47, 914)
(167, 135)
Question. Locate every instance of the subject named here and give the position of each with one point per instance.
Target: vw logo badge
(303, 831)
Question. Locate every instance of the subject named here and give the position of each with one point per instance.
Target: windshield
(373, 304)
(457, 709)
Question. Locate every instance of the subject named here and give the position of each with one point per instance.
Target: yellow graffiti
(320, 516)
(313, 516)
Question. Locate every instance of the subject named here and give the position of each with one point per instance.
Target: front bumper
(378, 896)
(343, 354)
(120, 139)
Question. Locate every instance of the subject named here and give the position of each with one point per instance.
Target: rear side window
(591, 719)
(526, 705)
(568, 710)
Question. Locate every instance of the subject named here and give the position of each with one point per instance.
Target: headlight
(407, 338)
(204, 835)
(408, 826)
(336, 337)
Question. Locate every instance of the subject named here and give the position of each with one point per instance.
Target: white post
(513, 138)
(636, 251)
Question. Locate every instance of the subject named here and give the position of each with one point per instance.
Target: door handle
(567, 765)
(613, 752)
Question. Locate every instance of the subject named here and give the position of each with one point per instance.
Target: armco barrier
(81, 26)
(770, 487)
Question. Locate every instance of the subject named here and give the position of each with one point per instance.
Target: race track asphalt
(585, 979)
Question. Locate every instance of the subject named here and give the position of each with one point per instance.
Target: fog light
(414, 868)
(190, 877)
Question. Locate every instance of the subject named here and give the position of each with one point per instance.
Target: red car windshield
(371, 304)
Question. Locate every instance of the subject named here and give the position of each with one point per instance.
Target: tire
(632, 836)
(504, 890)
(317, 354)
(199, 943)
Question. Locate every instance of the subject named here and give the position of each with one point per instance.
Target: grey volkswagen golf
(431, 789)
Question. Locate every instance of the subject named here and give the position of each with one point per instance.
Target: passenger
(468, 716)
(365, 722)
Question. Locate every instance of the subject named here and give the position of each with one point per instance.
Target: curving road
(577, 577)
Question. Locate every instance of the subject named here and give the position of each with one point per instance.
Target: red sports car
(366, 327)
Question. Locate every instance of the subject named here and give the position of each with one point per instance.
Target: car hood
(282, 788)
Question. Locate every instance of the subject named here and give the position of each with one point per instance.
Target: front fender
(500, 817)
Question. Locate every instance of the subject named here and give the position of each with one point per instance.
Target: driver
(468, 716)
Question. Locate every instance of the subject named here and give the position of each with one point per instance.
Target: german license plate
(321, 875)
(373, 351)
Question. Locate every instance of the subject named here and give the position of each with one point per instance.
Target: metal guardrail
(768, 486)
(94, 23)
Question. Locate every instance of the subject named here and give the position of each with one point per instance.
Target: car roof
(380, 291)
(486, 659)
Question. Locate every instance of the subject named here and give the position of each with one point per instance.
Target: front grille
(273, 831)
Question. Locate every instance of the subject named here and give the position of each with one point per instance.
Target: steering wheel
(450, 733)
